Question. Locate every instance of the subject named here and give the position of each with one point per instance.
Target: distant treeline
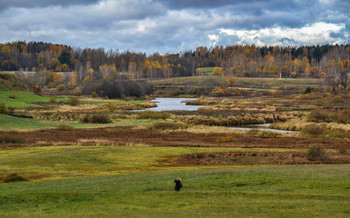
(326, 61)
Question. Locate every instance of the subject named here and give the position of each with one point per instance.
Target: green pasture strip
(263, 191)
(22, 100)
(77, 161)
(8, 122)
(1, 72)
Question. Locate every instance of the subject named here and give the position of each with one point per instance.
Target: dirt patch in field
(128, 135)
(254, 158)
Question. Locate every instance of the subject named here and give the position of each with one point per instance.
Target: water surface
(262, 127)
(173, 104)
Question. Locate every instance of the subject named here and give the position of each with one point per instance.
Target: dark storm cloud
(174, 25)
(4, 4)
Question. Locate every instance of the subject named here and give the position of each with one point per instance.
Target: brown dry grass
(253, 158)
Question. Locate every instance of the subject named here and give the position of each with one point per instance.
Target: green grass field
(264, 191)
(8, 123)
(22, 100)
(77, 181)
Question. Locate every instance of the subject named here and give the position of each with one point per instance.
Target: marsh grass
(153, 115)
(168, 126)
(65, 127)
(14, 177)
(9, 139)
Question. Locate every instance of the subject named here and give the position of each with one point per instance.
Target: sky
(172, 26)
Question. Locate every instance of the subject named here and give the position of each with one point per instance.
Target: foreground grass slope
(278, 191)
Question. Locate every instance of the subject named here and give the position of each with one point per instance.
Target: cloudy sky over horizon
(171, 26)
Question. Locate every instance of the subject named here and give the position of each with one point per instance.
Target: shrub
(100, 118)
(93, 94)
(52, 100)
(65, 127)
(166, 125)
(37, 90)
(111, 107)
(73, 101)
(225, 139)
(4, 109)
(14, 96)
(269, 134)
(77, 92)
(308, 90)
(319, 115)
(61, 87)
(11, 139)
(316, 153)
(96, 118)
(253, 131)
(314, 130)
(337, 99)
(342, 150)
(153, 115)
(14, 177)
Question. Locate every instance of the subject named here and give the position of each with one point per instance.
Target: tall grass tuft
(153, 115)
(14, 177)
(74, 101)
(314, 130)
(65, 127)
(168, 126)
(4, 139)
(4, 109)
(96, 118)
(316, 153)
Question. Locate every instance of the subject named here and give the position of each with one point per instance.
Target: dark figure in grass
(178, 184)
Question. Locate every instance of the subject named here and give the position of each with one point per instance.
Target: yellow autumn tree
(217, 71)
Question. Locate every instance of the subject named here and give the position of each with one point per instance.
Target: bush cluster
(117, 89)
(14, 177)
(53, 100)
(319, 115)
(153, 115)
(316, 153)
(96, 118)
(4, 109)
(314, 129)
(4, 139)
(65, 127)
(74, 101)
(168, 126)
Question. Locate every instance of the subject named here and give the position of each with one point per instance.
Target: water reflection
(173, 104)
(262, 127)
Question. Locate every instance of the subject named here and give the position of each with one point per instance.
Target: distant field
(259, 83)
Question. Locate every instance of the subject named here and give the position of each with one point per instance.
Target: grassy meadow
(273, 191)
(126, 167)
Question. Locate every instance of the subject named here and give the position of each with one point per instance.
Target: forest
(53, 64)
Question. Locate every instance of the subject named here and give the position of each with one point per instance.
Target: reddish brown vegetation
(250, 158)
(128, 135)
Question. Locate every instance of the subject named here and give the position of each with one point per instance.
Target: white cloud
(317, 33)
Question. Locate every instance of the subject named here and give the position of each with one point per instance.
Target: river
(173, 104)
